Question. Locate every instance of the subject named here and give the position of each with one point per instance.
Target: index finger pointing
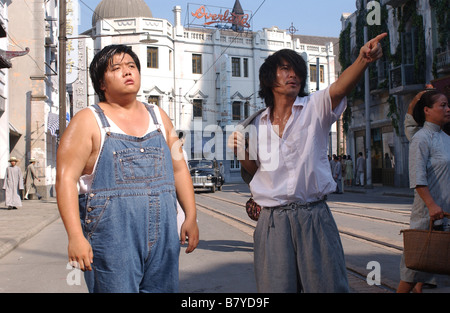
(378, 38)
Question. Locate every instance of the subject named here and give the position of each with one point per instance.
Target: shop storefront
(382, 153)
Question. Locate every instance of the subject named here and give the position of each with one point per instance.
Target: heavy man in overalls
(120, 153)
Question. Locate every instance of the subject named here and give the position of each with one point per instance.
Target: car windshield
(200, 164)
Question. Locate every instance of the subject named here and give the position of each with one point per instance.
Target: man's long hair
(268, 73)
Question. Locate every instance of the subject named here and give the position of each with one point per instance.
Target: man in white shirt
(297, 244)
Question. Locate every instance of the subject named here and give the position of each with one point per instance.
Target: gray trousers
(298, 249)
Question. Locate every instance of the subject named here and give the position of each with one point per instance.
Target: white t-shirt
(85, 181)
(295, 168)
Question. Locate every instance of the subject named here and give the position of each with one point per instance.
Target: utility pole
(367, 113)
(62, 67)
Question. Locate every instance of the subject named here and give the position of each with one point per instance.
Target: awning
(6, 56)
(13, 131)
(53, 123)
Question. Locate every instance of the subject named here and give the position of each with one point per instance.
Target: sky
(309, 17)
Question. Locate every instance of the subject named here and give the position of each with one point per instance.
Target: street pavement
(18, 226)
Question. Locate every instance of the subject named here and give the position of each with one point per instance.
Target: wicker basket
(427, 250)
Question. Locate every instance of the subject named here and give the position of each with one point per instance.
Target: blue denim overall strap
(129, 216)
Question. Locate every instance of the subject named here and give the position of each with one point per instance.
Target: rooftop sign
(220, 17)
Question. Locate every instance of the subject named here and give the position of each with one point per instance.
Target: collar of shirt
(296, 168)
(431, 126)
(298, 103)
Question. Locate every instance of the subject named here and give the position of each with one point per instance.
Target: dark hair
(446, 128)
(427, 100)
(268, 73)
(102, 60)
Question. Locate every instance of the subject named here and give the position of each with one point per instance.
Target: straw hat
(32, 160)
(13, 159)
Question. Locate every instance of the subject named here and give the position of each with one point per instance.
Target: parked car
(205, 174)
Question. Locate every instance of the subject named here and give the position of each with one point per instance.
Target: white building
(33, 86)
(26, 88)
(205, 78)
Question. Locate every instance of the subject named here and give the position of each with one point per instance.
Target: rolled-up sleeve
(411, 127)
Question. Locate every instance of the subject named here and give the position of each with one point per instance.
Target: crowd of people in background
(345, 172)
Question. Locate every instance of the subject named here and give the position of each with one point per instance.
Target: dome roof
(120, 9)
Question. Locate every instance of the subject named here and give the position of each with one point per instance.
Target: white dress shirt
(295, 168)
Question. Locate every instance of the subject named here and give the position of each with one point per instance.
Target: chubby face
(288, 83)
(440, 112)
(122, 77)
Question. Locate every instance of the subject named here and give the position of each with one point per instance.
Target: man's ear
(102, 85)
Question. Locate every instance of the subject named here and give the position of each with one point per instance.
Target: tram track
(334, 210)
(344, 231)
(249, 227)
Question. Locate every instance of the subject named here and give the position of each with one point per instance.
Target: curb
(12, 244)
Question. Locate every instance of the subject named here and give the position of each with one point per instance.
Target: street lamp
(148, 40)
(367, 113)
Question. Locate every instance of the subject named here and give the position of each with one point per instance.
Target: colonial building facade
(27, 87)
(416, 53)
(205, 78)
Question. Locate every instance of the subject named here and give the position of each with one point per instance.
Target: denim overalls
(129, 217)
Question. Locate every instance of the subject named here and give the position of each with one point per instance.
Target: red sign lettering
(227, 17)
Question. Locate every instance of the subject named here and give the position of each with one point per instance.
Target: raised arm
(369, 53)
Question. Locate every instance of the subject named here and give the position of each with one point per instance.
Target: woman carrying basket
(429, 175)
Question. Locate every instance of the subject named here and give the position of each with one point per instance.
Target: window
(196, 63)
(236, 108)
(198, 107)
(235, 164)
(245, 67)
(236, 67)
(152, 57)
(313, 73)
(246, 110)
(153, 100)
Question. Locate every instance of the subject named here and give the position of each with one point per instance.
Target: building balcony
(443, 63)
(402, 80)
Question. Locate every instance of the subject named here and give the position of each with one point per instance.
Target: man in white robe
(13, 184)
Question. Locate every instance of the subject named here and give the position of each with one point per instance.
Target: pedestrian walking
(360, 168)
(13, 185)
(30, 176)
(429, 175)
(297, 245)
(119, 152)
(349, 171)
(337, 174)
